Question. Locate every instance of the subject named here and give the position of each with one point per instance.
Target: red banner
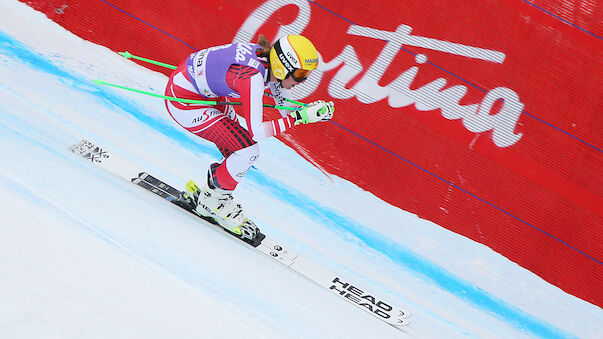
(483, 117)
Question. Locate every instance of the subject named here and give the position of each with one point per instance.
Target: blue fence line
(471, 194)
(402, 158)
(146, 23)
(330, 218)
(403, 49)
(469, 82)
(562, 19)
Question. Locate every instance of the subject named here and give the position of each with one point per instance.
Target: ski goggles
(300, 75)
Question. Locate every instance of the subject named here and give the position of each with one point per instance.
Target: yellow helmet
(293, 53)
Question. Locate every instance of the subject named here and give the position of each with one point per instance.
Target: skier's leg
(240, 152)
(229, 172)
(215, 198)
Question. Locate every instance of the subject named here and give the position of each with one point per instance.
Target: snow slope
(85, 254)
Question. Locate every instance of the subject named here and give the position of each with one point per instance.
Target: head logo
(358, 296)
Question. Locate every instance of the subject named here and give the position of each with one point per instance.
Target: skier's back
(240, 70)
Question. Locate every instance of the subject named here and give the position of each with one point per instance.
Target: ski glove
(314, 112)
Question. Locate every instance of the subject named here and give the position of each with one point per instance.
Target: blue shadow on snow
(329, 218)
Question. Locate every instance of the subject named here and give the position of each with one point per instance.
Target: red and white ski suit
(217, 74)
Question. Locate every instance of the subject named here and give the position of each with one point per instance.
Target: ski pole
(270, 95)
(188, 101)
(129, 55)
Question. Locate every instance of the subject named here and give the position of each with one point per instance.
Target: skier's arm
(314, 112)
(249, 83)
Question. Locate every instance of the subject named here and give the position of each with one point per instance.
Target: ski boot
(219, 205)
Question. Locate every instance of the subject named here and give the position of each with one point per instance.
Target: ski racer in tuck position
(240, 70)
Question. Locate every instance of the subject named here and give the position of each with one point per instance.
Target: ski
(158, 183)
(268, 246)
(177, 197)
(169, 193)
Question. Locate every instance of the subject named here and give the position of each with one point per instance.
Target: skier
(240, 70)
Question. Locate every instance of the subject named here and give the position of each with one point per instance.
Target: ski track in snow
(49, 103)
